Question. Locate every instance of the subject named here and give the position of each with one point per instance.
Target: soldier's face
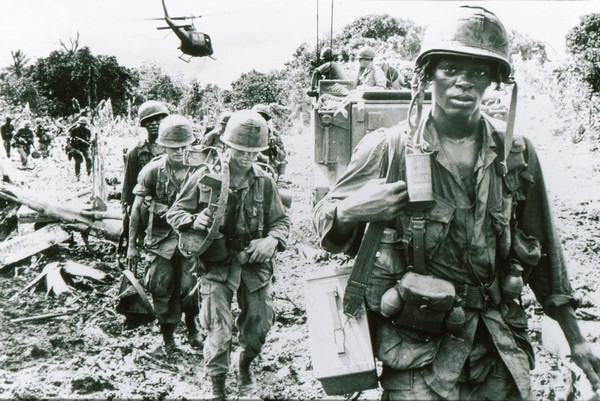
(151, 124)
(459, 84)
(241, 158)
(175, 155)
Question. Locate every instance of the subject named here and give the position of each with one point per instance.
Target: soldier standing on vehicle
(23, 141)
(486, 230)
(255, 227)
(275, 155)
(392, 75)
(329, 69)
(79, 144)
(213, 137)
(170, 277)
(150, 114)
(43, 136)
(369, 75)
(7, 131)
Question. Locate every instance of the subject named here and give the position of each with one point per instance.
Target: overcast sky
(246, 34)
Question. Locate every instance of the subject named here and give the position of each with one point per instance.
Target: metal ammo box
(340, 346)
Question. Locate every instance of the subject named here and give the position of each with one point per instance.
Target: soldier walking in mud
(23, 141)
(79, 145)
(473, 217)
(275, 154)
(170, 276)
(255, 227)
(7, 130)
(43, 136)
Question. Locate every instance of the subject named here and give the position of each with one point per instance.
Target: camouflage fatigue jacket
(464, 240)
(254, 210)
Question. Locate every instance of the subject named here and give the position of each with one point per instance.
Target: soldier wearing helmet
(369, 75)
(255, 227)
(328, 69)
(170, 277)
(78, 147)
(469, 202)
(275, 154)
(212, 138)
(23, 141)
(7, 131)
(150, 114)
(44, 137)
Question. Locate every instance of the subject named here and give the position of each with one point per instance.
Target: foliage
(583, 43)
(154, 84)
(253, 88)
(77, 77)
(19, 63)
(205, 103)
(527, 48)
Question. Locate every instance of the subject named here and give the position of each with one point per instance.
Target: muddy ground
(88, 354)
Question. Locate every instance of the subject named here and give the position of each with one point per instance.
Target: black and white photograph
(351, 200)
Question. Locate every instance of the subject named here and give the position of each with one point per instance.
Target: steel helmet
(327, 54)
(366, 53)
(246, 131)
(264, 110)
(82, 120)
(26, 123)
(8, 118)
(472, 31)
(175, 131)
(150, 109)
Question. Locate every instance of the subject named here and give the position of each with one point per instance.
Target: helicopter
(193, 43)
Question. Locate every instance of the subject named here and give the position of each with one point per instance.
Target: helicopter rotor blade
(175, 26)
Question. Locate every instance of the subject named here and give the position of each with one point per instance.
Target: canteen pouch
(427, 300)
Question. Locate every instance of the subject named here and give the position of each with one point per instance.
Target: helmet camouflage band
(150, 109)
(175, 131)
(264, 110)
(472, 31)
(246, 131)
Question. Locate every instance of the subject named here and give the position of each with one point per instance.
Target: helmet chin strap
(510, 124)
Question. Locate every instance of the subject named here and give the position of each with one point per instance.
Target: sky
(246, 34)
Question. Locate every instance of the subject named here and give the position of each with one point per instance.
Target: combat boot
(194, 335)
(217, 386)
(246, 380)
(168, 330)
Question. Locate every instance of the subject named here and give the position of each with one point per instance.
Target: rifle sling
(354, 295)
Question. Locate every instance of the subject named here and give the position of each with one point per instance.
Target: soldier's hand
(204, 220)
(583, 355)
(262, 250)
(376, 201)
(133, 253)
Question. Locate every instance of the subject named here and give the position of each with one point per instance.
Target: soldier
(255, 227)
(170, 277)
(369, 75)
(23, 141)
(43, 136)
(212, 138)
(483, 229)
(150, 114)
(275, 155)
(79, 144)
(7, 130)
(329, 69)
(392, 75)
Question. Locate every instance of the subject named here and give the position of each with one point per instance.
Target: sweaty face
(151, 124)
(175, 155)
(241, 158)
(459, 84)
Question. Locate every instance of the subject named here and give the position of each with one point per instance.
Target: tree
(255, 87)
(583, 43)
(154, 84)
(76, 76)
(526, 48)
(19, 63)
(206, 103)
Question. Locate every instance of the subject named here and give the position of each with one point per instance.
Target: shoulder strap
(354, 295)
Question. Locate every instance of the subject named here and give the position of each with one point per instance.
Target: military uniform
(78, 147)
(170, 277)
(136, 159)
(254, 210)
(44, 139)
(7, 130)
(466, 233)
(23, 141)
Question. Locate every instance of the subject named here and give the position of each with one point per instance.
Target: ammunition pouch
(477, 297)
(426, 301)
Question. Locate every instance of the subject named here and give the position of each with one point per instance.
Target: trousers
(254, 322)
